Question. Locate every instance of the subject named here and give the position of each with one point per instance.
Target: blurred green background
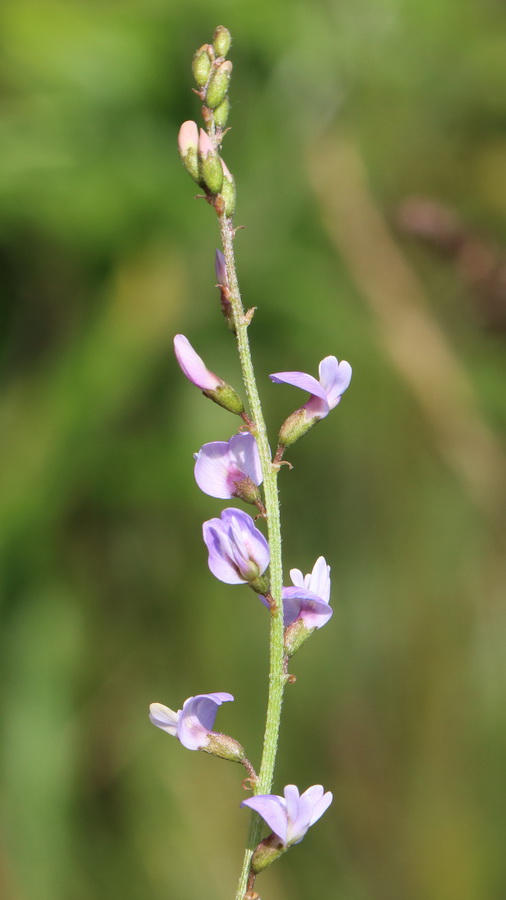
(345, 115)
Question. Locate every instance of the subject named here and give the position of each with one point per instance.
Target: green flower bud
(221, 113)
(211, 170)
(202, 64)
(221, 40)
(228, 192)
(218, 85)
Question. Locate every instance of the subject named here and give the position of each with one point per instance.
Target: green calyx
(226, 397)
(221, 113)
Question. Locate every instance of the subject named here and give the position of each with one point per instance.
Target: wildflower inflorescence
(242, 468)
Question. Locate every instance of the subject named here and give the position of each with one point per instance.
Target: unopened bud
(202, 64)
(218, 85)
(228, 192)
(221, 113)
(187, 142)
(221, 40)
(211, 169)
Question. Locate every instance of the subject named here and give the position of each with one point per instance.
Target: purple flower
(227, 469)
(238, 551)
(193, 366)
(193, 723)
(326, 393)
(291, 816)
(307, 603)
(309, 599)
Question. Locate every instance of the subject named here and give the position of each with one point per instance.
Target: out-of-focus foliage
(341, 111)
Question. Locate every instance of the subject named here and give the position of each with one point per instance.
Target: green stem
(276, 674)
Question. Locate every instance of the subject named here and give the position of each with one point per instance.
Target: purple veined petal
(299, 603)
(273, 811)
(300, 380)
(196, 719)
(193, 366)
(335, 377)
(164, 718)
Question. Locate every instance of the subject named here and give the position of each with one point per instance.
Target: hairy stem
(276, 674)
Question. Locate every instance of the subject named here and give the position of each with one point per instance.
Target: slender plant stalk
(277, 677)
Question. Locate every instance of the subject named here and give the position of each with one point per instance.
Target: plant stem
(276, 674)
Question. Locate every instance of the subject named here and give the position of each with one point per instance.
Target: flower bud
(187, 141)
(211, 169)
(202, 64)
(221, 113)
(218, 85)
(228, 192)
(221, 40)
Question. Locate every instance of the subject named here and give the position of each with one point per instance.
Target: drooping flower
(195, 369)
(291, 816)
(325, 395)
(238, 551)
(192, 725)
(227, 469)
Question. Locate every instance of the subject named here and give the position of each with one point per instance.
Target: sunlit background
(369, 146)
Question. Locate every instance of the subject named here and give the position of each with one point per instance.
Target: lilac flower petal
(196, 719)
(319, 580)
(335, 377)
(193, 366)
(298, 603)
(220, 464)
(164, 718)
(273, 811)
(238, 551)
(297, 578)
(300, 380)
(305, 810)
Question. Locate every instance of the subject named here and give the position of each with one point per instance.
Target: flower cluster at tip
(198, 149)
